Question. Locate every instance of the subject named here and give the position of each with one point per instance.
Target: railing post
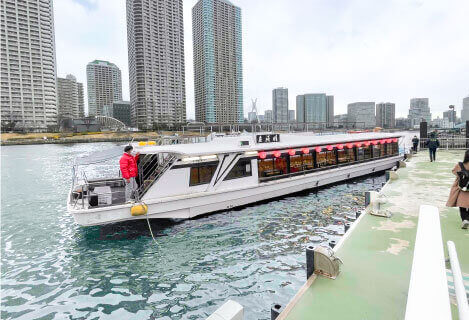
(460, 290)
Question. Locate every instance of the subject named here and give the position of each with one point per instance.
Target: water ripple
(54, 269)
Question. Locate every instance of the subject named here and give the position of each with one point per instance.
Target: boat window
(321, 159)
(202, 174)
(296, 163)
(392, 148)
(308, 161)
(266, 168)
(331, 159)
(301, 162)
(346, 155)
(280, 165)
(368, 152)
(360, 154)
(376, 151)
(241, 169)
(382, 147)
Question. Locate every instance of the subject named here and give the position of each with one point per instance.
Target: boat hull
(189, 206)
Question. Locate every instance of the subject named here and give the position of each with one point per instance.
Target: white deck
(287, 140)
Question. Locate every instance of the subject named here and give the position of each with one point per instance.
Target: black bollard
(367, 198)
(275, 311)
(357, 214)
(309, 261)
(332, 244)
(388, 175)
(346, 226)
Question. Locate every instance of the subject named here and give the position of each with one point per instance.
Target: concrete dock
(377, 252)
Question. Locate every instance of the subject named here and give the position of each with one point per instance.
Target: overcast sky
(356, 50)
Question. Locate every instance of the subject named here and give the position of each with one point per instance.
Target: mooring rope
(151, 232)
(148, 222)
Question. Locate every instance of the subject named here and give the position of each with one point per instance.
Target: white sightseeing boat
(187, 180)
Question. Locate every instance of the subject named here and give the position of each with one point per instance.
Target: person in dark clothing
(415, 142)
(432, 145)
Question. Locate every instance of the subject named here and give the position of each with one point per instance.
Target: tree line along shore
(85, 137)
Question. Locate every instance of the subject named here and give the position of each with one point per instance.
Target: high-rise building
(155, 39)
(81, 100)
(465, 109)
(119, 110)
(330, 110)
(70, 98)
(362, 114)
(252, 117)
(300, 108)
(218, 63)
(104, 85)
(419, 111)
(312, 107)
(386, 115)
(340, 120)
(268, 117)
(28, 77)
(402, 123)
(451, 116)
(280, 105)
(291, 116)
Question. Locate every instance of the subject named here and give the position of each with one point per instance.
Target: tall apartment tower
(362, 114)
(218, 63)
(419, 111)
(311, 107)
(81, 100)
(280, 105)
(465, 109)
(330, 110)
(104, 85)
(386, 115)
(70, 98)
(28, 77)
(155, 38)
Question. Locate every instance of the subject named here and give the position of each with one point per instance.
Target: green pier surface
(377, 254)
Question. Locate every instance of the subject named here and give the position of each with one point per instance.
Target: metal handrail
(461, 296)
(448, 143)
(161, 168)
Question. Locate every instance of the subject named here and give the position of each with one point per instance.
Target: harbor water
(54, 269)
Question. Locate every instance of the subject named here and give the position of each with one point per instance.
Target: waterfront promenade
(378, 252)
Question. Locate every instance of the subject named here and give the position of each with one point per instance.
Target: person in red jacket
(128, 166)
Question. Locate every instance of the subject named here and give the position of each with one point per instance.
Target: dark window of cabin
(240, 170)
(331, 158)
(321, 160)
(382, 148)
(301, 162)
(394, 147)
(345, 155)
(368, 152)
(376, 151)
(296, 163)
(265, 168)
(360, 154)
(389, 150)
(308, 161)
(280, 165)
(326, 158)
(202, 173)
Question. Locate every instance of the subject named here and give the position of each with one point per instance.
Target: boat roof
(232, 144)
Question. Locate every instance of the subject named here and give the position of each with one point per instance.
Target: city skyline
(421, 78)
